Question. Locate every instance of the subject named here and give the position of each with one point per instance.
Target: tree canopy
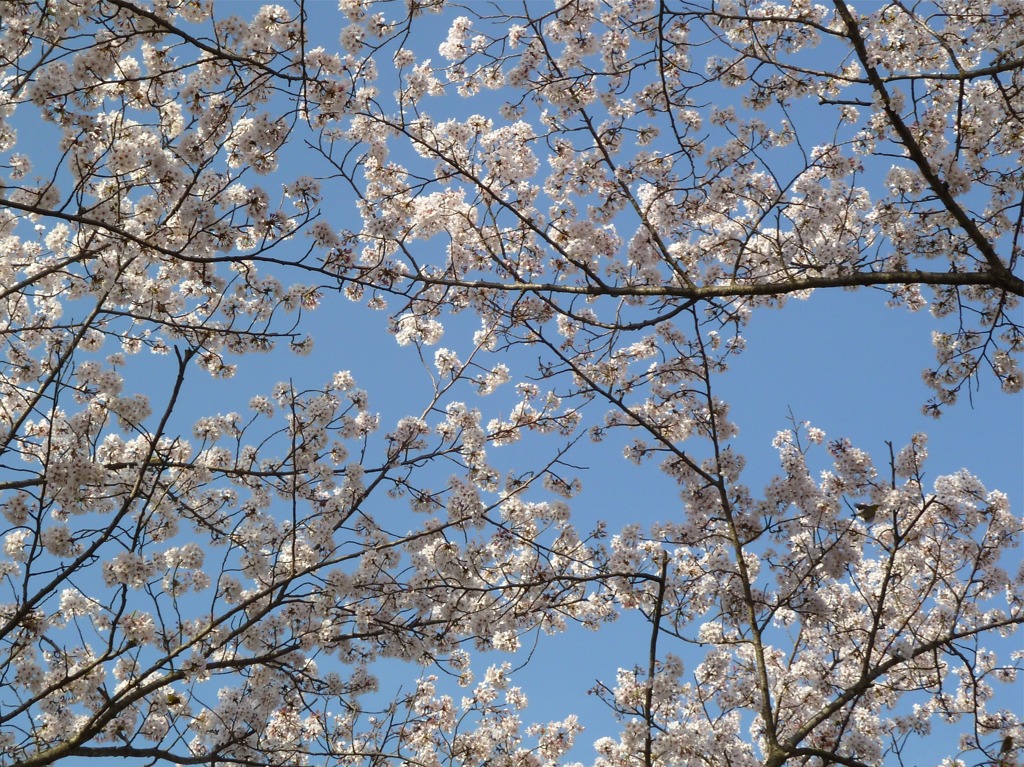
(580, 207)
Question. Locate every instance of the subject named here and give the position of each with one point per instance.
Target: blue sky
(841, 360)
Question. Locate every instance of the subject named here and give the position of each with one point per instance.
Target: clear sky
(841, 360)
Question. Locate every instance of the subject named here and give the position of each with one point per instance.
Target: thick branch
(1001, 281)
(939, 187)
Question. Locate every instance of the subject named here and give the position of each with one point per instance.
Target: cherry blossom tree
(589, 202)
